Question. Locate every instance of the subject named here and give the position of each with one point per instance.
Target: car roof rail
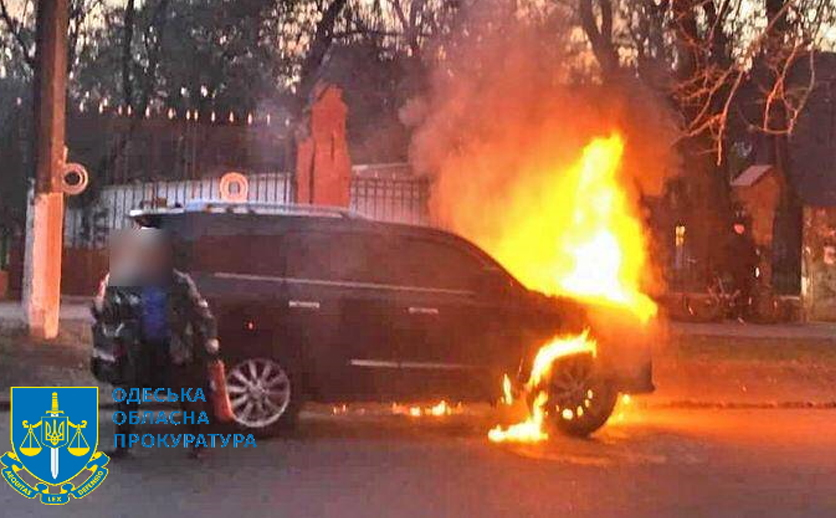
(252, 207)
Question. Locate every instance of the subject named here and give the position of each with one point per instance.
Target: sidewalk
(72, 308)
(807, 330)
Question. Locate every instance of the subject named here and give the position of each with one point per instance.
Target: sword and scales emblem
(55, 429)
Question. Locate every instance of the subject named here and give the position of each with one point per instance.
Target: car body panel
(376, 311)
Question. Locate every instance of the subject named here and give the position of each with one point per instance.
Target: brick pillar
(323, 165)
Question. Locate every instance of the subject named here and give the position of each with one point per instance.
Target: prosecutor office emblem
(54, 433)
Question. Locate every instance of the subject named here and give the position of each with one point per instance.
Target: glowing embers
(442, 408)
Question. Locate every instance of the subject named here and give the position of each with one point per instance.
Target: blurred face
(739, 228)
(154, 254)
(125, 259)
(138, 256)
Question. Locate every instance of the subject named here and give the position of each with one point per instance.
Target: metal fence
(397, 199)
(394, 197)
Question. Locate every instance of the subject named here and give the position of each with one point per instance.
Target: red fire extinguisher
(220, 396)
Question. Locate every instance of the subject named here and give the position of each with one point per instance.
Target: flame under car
(319, 304)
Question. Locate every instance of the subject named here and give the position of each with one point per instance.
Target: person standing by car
(175, 331)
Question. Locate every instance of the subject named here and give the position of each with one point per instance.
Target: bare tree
(17, 27)
(599, 31)
(705, 53)
(321, 42)
(22, 30)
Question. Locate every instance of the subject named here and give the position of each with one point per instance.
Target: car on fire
(321, 304)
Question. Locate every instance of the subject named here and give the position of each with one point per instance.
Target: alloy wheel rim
(259, 392)
(572, 390)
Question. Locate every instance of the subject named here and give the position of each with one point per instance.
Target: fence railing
(397, 199)
(401, 198)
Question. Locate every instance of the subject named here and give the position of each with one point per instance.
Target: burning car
(320, 304)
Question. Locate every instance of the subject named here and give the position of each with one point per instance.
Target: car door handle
(303, 304)
(417, 310)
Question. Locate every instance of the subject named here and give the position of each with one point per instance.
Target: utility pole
(45, 216)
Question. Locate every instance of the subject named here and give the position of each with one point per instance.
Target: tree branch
(12, 25)
(600, 38)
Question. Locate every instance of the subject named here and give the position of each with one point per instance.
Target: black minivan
(321, 304)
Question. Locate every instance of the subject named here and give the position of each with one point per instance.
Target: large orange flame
(573, 232)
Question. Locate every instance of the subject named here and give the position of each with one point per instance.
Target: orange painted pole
(45, 221)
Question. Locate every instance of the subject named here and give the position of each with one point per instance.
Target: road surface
(756, 463)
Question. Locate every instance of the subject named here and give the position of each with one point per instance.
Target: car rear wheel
(263, 395)
(580, 398)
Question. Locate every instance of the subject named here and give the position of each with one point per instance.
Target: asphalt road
(654, 463)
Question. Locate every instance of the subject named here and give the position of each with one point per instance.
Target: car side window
(241, 254)
(433, 264)
(334, 256)
(309, 256)
(377, 259)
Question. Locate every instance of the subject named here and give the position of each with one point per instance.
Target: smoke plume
(510, 109)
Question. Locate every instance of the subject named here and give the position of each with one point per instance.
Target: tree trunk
(323, 38)
(127, 59)
(600, 37)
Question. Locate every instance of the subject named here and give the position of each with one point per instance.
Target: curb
(740, 405)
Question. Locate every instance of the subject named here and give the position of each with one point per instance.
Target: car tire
(265, 394)
(580, 399)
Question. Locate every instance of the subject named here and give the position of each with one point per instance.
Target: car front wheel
(263, 395)
(580, 399)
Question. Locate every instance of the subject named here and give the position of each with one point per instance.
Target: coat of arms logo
(54, 434)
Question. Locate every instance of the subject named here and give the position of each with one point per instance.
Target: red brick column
(323, 165)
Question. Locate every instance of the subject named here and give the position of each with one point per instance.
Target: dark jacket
(741, 256)
(191, 324)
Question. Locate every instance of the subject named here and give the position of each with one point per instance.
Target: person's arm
(206, 327)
